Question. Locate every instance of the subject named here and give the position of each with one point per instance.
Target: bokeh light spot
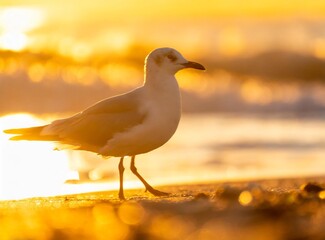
(245, 198)
(131, 213)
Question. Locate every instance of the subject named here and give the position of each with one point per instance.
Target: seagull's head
(169, 60)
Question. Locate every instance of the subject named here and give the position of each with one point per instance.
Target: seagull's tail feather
(33, 133)
(31, 130)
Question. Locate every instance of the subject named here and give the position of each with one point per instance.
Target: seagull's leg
(148, 187)
(121, 171)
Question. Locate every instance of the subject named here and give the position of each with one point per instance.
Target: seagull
(129, 124)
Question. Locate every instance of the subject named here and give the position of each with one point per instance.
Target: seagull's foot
(156, 192)
(121, 196)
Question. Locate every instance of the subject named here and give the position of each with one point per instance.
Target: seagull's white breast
(162, 108)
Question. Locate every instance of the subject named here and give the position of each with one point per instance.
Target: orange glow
(79, 51)
(118, 41)
(121, 75)
(131, 213)
(36, 72)
(319, 48)
(254, 91)
(231, 42)
(217, 82)
(183, 9)
(105, 218)
(81, 75)
(117, 27)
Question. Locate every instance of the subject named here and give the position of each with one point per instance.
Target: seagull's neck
(162, 92)
(160, 80)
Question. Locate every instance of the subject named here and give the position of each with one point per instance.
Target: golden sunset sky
(100, 25)
(111, 38)
(179, 8)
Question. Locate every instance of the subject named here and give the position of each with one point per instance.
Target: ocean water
(237, 146)
(205, 148)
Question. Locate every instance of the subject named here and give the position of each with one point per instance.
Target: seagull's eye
(172, 57)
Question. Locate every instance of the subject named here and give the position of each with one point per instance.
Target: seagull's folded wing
(96, 125)
(96, 129)
(121, 103)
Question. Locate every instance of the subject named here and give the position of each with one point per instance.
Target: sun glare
(13, 41)
(15, 23)
(33, 169)
(29, 168)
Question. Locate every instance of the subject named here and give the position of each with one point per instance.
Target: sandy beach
(269, 209)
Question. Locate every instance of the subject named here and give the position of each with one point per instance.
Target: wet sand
(271, 209)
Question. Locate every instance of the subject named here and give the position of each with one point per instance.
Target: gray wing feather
(120, 103)
(97, 129)
(98, 123)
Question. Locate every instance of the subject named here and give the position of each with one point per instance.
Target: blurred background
(257, 112)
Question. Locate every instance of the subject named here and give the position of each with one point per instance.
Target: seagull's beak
(195, 65)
